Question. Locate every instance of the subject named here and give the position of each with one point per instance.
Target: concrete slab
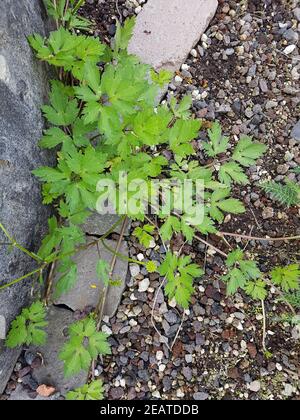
(167, 30)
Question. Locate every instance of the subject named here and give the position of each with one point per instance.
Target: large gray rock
(98, 224)
(2, 328)
(166, 30)
(52, 370)
(23, 89)
(88, 288)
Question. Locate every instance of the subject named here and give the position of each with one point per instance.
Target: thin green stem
(38, 270)
(121, 256)
(20, 247)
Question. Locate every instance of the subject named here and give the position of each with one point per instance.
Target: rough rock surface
(23, 89)
(167, 30)
(2, 328)
(87, 289)
(51, 372)
(99, 224)
(22, 394)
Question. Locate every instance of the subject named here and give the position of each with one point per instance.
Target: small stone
(116, 393)
(144, 284)
(296, 332)
(263, 85)
(229, 51)
(289, 49)
(297, 13)
(194, 53)
(268, 213)
(179, 393)
(140, 256)
(178, 79)
(282, 169)
(271, 104)
(134, 269)
(296, 131)
(288, 390)
(252, 350)
(200, 396)
(188, 358)
(291, 35)
(159, 355)
(124, 330)
(162, 368)
(254, 386)
(171, 317)
(233, 373)
(187, 373)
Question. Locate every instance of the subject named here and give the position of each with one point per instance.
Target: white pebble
(289, 49)
(254, 386)
(140, 257)
(178, 79)
(179, 393)
(185, 67)
(194, 53)
(162, 367)
(159, 355)
(144, 284)
(106, 329)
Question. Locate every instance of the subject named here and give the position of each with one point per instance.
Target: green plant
(286, 277)
(28, 327)
(287, 194)
(143, 234)
(244, 274)
(179, 273)
(85, 343)
(93, 391)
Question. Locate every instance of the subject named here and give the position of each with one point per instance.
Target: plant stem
(257, 238)
(101, 303)
(102, 298)
(211, 246)
(264, 326)
(38, 270)
(93, 243)
(121, 256)
(281, 294)
(20, 247)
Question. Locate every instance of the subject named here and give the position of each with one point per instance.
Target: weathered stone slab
(2, 328)
(167, 30)
(88, 288)
(21, 394)
(51, 372)
(99, 224)
(23, 89)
